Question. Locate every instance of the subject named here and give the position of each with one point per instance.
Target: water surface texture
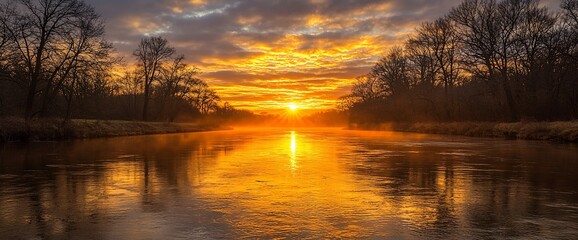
(307, 183)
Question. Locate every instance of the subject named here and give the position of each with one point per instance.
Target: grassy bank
(551, 131)
(14, 129)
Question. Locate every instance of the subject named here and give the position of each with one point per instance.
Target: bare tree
(4, 50)
(488, 33)
(130, 83)
(422, 69)
(86, 84)
(347, 102)
(533, 51)
(204, 98)
(90, 58)
(569, 48)
(570, 26)
(176, 81)
(499, 59)
(422, 62)
(3, 43)
(392, 72)
(88, 77)
(571, 10)
(49, 36)
(367, 88)
(439, 41)
(151, 54)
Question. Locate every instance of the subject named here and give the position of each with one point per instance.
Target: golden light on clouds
(261, 55)
(197, 1)
(295, 68)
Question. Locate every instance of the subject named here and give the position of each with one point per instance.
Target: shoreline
(14, 129)
(561, 131)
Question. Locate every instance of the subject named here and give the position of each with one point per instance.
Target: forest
(56, 63)
(486, 60)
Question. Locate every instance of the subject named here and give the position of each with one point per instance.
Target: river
(278, 183)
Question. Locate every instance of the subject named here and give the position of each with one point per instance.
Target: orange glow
(294, 165)
(292, 106)
(270, 182)
(281, 184)
(314, 72)
(315, 77)
(254, 66)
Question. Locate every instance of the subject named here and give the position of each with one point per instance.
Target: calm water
(309, 183)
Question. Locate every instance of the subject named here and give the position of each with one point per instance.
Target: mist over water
(301, 183)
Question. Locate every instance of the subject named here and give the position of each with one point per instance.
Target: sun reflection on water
(276, 184)
(294, 165)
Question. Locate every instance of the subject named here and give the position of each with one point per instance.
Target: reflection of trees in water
(492, 187)
(445, 189)
(70, 185)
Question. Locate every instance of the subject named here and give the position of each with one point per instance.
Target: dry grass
(551, 131)
(14, 129)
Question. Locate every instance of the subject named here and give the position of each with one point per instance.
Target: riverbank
(547, 131)
(14, 129)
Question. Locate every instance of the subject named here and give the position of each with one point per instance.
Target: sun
(292, 106)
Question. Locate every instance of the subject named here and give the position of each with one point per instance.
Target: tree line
(486, 60)
(56, 62)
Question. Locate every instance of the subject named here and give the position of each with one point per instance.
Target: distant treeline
(55, 62)
(486, 60)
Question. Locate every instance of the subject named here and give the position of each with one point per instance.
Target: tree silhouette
(151, 54)
(48, 38)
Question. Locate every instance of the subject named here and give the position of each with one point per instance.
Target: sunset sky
(264, 55)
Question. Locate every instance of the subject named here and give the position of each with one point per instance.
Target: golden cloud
(263, 55)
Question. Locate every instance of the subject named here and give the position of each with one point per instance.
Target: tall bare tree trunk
(145, 103)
